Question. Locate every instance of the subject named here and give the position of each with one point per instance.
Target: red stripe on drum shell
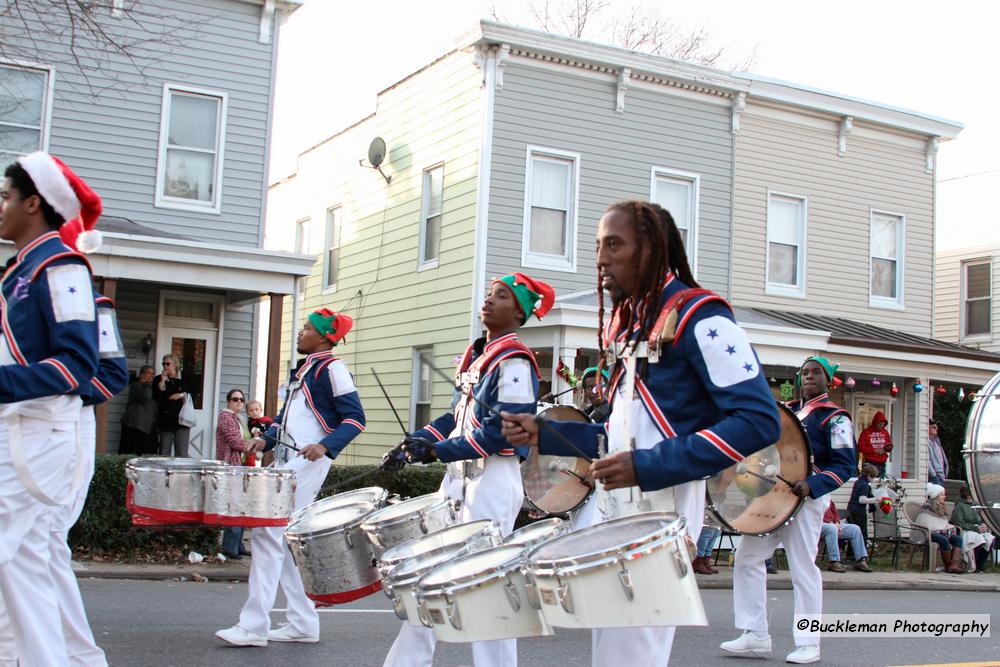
(331, 599)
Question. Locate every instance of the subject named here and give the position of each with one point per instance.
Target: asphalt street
(172, 623)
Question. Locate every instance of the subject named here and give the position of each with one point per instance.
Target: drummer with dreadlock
(483, 468)
(687, 394)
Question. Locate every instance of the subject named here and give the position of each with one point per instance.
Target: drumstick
(741, 468)
(389, 401)
(277, 441)
(551, 430)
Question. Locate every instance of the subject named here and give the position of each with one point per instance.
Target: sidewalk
(848, 581)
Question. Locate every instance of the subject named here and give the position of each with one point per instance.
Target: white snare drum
(166, 491)
(333, 554)
(629, 572)
(474, 536)
(249, 496)
(480, 597)
(373, 495)
(400, 582)
(535, 533)
(404, 521)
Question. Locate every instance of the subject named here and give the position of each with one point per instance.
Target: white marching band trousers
(272, 562)
(801, 540)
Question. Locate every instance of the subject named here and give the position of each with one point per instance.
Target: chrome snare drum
(248, 496)
(632, 571)
(982, 452)
(166, 491)
(404, 521)
(333, 554)
(535, 533)
(480, 597)
(554, 484)
(374, 495)
(400, 582)
(474, 536)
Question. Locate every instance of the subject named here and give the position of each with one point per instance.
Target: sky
(936, 58)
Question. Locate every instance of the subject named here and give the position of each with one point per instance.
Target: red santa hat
(69, 196)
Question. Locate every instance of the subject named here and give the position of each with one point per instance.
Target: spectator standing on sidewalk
(139, 422)
(232, 442)
(833, 531)
(875, 443)
(706, 543)
(862, 499)
(168, 390)
(937, 465)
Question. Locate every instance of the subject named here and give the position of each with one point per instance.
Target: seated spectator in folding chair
(934, 517)
(862, 499)
(976, 540)
(832, 531)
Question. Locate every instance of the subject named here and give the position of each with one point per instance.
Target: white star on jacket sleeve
(726, 350)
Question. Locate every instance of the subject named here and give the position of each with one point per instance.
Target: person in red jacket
(875, 443)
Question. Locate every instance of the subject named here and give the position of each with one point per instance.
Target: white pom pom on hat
(68, 194)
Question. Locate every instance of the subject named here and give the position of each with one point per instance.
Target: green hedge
(105, 530)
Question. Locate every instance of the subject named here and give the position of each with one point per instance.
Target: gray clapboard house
(176, 145)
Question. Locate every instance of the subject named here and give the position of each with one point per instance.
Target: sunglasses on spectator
(238, 399)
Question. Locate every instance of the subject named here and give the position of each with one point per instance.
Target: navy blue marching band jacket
(332, 398)
(47, 288)
(706, 394)
(112, 368)
(501, 374)
(831, 437)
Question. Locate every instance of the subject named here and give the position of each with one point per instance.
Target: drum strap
(24, 473)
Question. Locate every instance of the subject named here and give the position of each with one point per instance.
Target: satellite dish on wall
(376, 155)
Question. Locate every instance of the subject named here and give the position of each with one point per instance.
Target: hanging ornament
(875, 382)
(849, 384)
(893, 390)
(972, 395)
(941, 391)
(786, 391)
(961, 394)
(773, 381)
(836, 382)
(918, 386)
(566, 373)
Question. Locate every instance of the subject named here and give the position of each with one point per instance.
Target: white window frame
(303, 241)
(415, 385)
(656, 173)
(50, 81)
(328, 285)
(161, 200)
(778, 289)
(881, 301)
(425, 202)
(964, 296)
(566, 263)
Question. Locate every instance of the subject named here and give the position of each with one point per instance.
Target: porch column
(109, 288)
(272, 376)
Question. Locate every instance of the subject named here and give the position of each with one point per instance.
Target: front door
(864, 410)
(196, 350)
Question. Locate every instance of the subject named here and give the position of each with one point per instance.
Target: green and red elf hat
(533, 296)
(332, 326)
(828, 367)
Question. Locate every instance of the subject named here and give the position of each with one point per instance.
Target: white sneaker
(747, 643)
(287, 633)
(237, 636)
(803, 655)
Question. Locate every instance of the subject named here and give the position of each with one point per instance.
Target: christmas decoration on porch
(918, 386)
(564, 371)
(786, 391)
(875, 382)
(893, 390)
(849, 384)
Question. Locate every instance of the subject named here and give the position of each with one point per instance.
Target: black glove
(419, 450)
(394, 459)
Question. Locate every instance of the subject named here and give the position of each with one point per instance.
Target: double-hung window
(786, 244)
(888, 233)
(430, 216)
(422, 391)
(977, 311)
(677, 191)
(331, 252)
(550, 207)
(192, 136)
(24, 104)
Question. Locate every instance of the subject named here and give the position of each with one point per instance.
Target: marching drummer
(48, 357)
(322, 414)
(497, 372)
(592, 400)
(705, 404)
(831, 438)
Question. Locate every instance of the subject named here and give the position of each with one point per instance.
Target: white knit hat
(934, 490)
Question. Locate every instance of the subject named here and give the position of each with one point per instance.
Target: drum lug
(512, 597)
(246, 483)
(423, 524)
(531, 592)
(679, 563)
(348, 540)
(397, 606)
(625, 578)
(564, 596)
(166, 478)
(422, 614)
(453, 616)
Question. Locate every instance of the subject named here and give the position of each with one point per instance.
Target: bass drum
(982, 452)
(554, 484)
(749, 497)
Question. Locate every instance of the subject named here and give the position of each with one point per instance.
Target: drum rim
(155, 463)
(472, 581)
(982, 399)
(250, 471)
(561, 527)
(528, 499)
(573, 569)
(449, 552)
(487, 525)
(672, 523)
(312, 507)
(329, 530)
(376, 524)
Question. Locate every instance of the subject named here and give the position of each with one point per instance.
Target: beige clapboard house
(812, 212)
(965, 281)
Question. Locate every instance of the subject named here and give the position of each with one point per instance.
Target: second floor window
(191, 141)
(23, 104)
(331, 254)
(886, 245)
(786, 235)
(549, 237)
(678, 193)
(976, 297)
(430, 216)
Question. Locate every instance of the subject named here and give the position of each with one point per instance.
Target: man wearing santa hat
(322, 414)
(48, 358)
(483, 471)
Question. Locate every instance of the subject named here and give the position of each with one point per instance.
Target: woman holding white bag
(168, 390)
